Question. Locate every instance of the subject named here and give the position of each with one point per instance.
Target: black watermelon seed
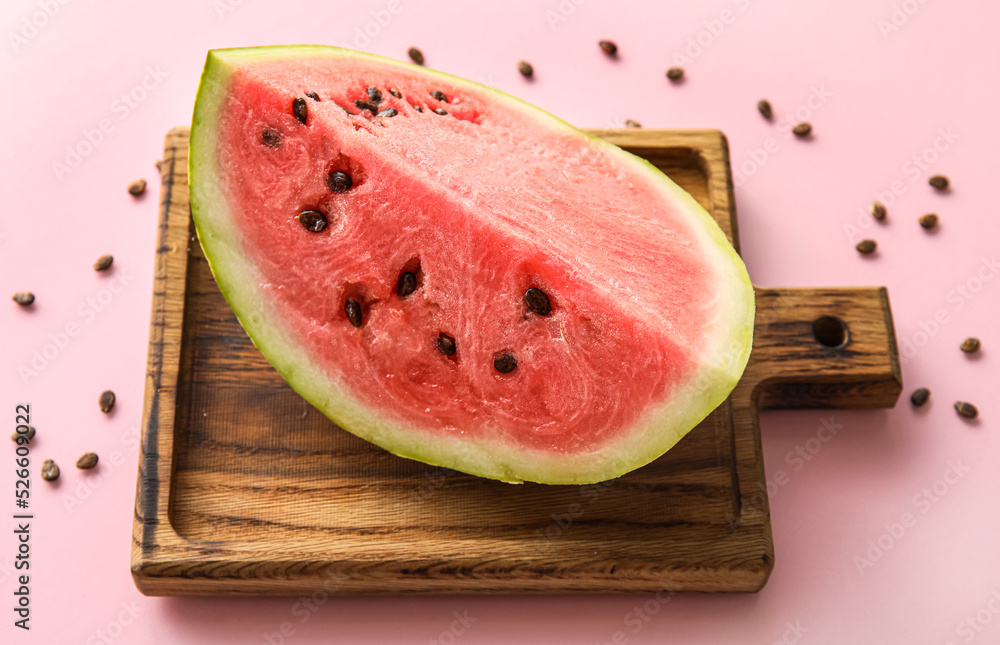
(920, 396)
(388, 113)
(418, 108)
(416, 55)
(137, 187)
(24, 298)
(313, 221)
(970, 345)
(28, 434)
(803, 129)
(300, 110)
(440, 111)
(445, 344)
(406, 284)
(50, 471)
(439, 96)
(764, 107)
(313, 95)
(103, 263)
(538, 302)
(967, 410)
(365, 105)
(339, 181)
(106, 401)
(866, 247)
(608, 47)
(353, 311)
(374, 95)
(271, 138)
(395, 93)
(525, 68)
(632, 123)
(929, 220)
(938, 181)
(504, 362)
(877, 209)
(675, 73)
(87, 461)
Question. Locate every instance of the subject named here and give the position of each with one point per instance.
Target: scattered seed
(365, 105)
(675, 73)
(920, 396)
(137, 187)
(632, 123)
(107, 401)
(440, 96)
(416, 55)
(87, 461)
(802, 129)
(406, 284)
(300, 109)
(103, 263)
(445, 344)
(395, 93)
(504, 362)
(970, 345)
(374, 95)
(525, 68)
(24, 298)
(877, 209)
(418, 108)
(313, 95)
(939, 181)
(339, 181)
(440, 111)
(764, 107)
(50, 472)
(929, 220)
(271, 138)
(388, 113)
(866, 247)
(29, 435)
(313, 221)
(538, 302)
(608, 47)
(967, 410)
(353, 311)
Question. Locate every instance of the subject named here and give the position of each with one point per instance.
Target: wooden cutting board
(244, 488)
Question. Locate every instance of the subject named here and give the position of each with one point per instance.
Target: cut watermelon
(457, 276)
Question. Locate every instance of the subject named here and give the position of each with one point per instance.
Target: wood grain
(244, 488)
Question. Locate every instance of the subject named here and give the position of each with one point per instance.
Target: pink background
(879, 94)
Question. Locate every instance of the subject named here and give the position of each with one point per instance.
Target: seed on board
(395, 93)
(388, 113)
(137, 187)
(802, 129)
(866, 247)
(353, 311)
(920, 396)
(970, 345)
(939, 181)
(271, 138)
(339, 181)
(374, 95)
(525, 68)
(764, 107)
(103, 263)
(877, 209)
(107, 401)
(929, 220)
(87, 461)
(50, 472)
(439, 95)
(608, 47)
(23, 298)
(675, 73)
(28, 435)
(537, 301)
(300, 110)
(416, 55)
(504, 362)
(406, 284)
(632, 123)
(967, 410)
(445, 344)
(313, 95)
(313, 221)
(440, 111)
(365, 105)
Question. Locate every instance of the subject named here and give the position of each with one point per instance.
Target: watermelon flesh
(378, 245)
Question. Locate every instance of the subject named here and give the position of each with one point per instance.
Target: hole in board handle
(831, 331)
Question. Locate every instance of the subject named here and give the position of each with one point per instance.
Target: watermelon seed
(803, 129)
(967, 410)
(353, 311)
(313, 221)
(920, 396)
(271, 138)
(504, 362)
(445, 344)
(632, 123)
(929, 220)
(416, 55)
(50, 471)
(440, 111)
(608, 47)
(313, 95)
(525, 68)
(938, 181)
(395, 93)
(374, 95)
(24, 298)
(418, 108)
(675, 73)
(406, 284)
(538, 302)
(764, 107)
(365, 105)
(300, 110)
(388, 113)
(339, 181)
(438, 95)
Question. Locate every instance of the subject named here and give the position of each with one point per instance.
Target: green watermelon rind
(239, 280)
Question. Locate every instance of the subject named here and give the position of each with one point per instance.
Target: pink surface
(896, 90)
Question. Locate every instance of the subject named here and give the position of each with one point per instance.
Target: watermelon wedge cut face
(457, 276)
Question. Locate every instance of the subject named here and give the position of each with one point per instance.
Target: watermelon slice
(455, 275)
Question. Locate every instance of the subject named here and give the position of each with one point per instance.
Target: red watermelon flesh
(651, 309)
